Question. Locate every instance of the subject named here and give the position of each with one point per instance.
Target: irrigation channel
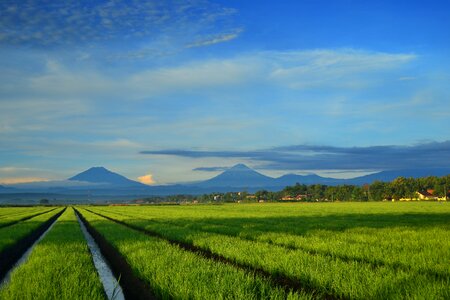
(111, 286)
(22, 251)
(133, 287)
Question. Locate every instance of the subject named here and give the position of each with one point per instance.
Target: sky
(176, 91)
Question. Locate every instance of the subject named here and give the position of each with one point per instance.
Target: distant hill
(238, 176)
(242, 176)
(103, 175)
(6, 189)
(292, 179)
(392, 174)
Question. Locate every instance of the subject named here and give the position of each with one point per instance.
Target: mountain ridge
(103, 175)
(237, 176)
(102, 182)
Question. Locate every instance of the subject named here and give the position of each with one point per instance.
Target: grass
(173, 273)
(59, 267)
(11, 220)
(8, 211)
(353, 250)
(11, 234)
(251, 251)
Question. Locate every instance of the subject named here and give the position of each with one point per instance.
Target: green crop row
(11, 234)
(329, 273)
(15, 218)
(5, 210)
(59, 267)
(8, 212)
(174, 273)
(417, 242)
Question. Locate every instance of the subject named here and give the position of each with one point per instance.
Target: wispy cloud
(211, 169)
(343, 68)
(11, 169)
(215, 39)
(407, 78)
(16, 180)
(310, 157)
(307, 70)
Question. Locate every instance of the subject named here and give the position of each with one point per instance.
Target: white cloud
(197, 75)
(58, 80)
(344, 68)
(118, 143)
(147, 179)
(333, 68)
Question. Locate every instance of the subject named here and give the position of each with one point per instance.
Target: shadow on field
(301, 225)
(13, 252)
(183, 232)
(307, 226)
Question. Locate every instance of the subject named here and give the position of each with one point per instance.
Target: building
(427, 195)
(430, 194)
(296, 198)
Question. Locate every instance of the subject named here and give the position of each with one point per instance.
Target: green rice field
(378, 250)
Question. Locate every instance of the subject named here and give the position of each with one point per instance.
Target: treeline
(400, 188)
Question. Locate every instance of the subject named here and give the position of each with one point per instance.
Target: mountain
(103, 175)
(392, 174)
(5, 189)
(292, 179)
(238, 176)
(241, 176)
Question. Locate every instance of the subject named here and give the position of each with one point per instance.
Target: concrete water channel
(111, 286)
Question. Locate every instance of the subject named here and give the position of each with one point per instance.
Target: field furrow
(59, 267)
(6, 212)
(11, 220)
(16, 239)
(174, 272)
(428, 250)
(327, 272)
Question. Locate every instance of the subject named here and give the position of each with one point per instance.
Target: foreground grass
(173, 273)
(11, 234)
(59, 267)
(6, 212)
(354, 250)
(13, 217)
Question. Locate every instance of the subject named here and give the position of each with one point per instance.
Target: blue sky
(179, 90)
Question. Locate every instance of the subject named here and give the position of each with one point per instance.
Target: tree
(358, 194)
(378, 191)
(262, 195)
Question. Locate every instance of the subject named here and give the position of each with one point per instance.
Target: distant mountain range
(100, 182)
(238, 176)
